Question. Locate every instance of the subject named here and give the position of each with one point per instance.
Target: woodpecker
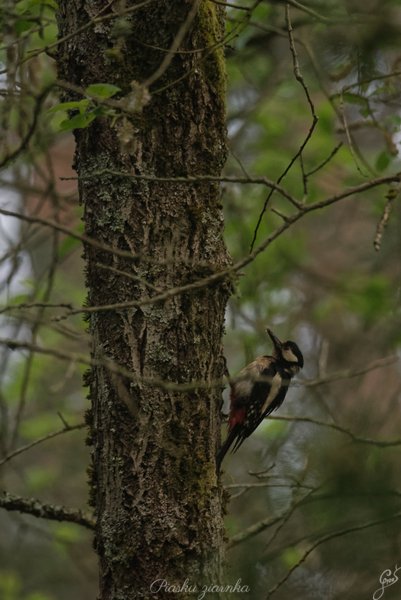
(259, 389)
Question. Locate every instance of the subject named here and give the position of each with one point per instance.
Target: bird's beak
(275, 340)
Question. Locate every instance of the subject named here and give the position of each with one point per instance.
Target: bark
(153, 478)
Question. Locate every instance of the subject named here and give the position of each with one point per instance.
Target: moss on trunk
(154, 485)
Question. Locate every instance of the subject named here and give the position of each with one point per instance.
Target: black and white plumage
(259, 389)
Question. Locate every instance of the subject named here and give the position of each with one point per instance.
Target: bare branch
(325, 539)
(52, 512)
(131, 276)
(68, 231)
(356, 372)
(269, 522)
(13, 344)
(355, 438)
(31, 130)
(298, 154)
(254, 529)
(38, 441)
(228, 4)
(326, 160)
(91, 23)
(190, 179)
(178, 39)
(391, 196)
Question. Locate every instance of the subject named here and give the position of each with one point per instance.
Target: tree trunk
(153, 479)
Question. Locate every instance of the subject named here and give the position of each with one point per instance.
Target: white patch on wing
(289, 356)
(275, 386)
(243, 388)
(247, 377)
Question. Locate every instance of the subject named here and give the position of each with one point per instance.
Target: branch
(177, 41)
(49, 436)
(390, 197)
(309, 11)
(254, 529)
(229, 36)
(291, 220)
(355, 438)
(229, 5)
(188, 179)
(58, 227)
(349, 373)
(99, 18)
(26, 139)
(218, 276)
(298, 76)
(266, 523)
(112, 367)
(326, 160)
(249, 486)
(52, 512)
(324, 539)
(119, 370)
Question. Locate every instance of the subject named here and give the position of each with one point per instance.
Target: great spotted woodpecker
(258, 390)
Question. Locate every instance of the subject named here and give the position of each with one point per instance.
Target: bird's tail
(226, 446)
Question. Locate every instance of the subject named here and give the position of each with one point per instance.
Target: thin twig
(357, 372)
(303, 209)
(354, 438)
(131, 276)
(254, 530)
(68, 231)
(390, 197)
(325, 539)
(31, 130)
(309, 11)
(355, 152)
(178, 39)
(300, 79)
(38, 441)
(188, 180)
(99, 18)
(326, 160)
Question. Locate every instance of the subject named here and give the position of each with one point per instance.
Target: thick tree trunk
(154, 483)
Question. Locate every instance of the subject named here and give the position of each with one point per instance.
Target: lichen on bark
(154, 485)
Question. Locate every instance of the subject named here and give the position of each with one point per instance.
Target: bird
(259, 389)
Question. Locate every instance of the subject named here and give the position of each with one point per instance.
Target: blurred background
(312, 497)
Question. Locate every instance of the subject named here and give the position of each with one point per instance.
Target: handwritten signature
(386, 579)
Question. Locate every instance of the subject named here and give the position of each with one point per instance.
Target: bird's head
(287, 353)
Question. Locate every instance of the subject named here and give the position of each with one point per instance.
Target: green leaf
(383, 161)
(102, 90)
(22, 25)
(67, 246)
(80, 105)
(355, 99)
(77, 122)
(19, 299)
(27, 5)
(365, 112)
